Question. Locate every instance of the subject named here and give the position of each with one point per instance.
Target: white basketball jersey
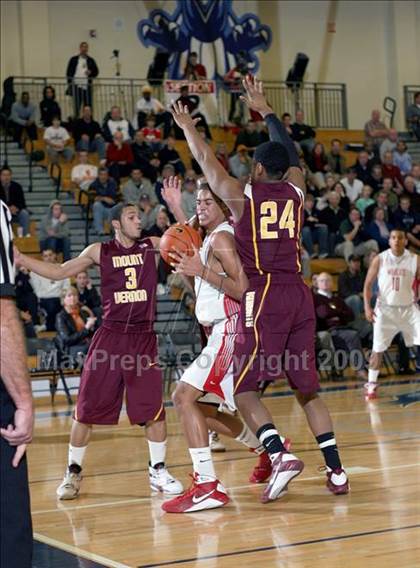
(395, 278)
(212, 304)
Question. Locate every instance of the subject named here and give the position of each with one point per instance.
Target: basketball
(180, 237)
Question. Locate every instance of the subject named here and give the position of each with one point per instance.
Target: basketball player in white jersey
(396, 309)
(219, 283)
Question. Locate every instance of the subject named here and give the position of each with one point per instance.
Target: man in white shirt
(83, 174)
(57, 139)
(81, 69)
(116, 123)
(146, 106)
(137, 186)
(352, 185)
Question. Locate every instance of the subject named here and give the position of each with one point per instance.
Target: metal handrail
(57, 179)
(27, 139)
(5, 121)
(87, 211)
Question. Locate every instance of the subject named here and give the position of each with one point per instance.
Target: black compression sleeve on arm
(278, 133)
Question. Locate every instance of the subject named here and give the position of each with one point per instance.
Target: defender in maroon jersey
(123, 354)
(277, 322)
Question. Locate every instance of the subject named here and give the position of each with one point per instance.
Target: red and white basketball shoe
(285, 467)
(263, 469)
(337, 481)
(371, 391)
(200, 496)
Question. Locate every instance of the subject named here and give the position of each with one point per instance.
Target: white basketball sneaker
(216, 445)
(70, 486)
(161, 480)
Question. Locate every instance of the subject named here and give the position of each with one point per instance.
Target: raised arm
(367, 289)
(224, 186)
(88, 257)
(171, 193)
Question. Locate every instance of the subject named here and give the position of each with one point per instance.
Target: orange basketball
(180, 237)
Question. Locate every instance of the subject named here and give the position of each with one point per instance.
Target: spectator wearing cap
(189, 197)
(104, 192)
(352, 185)
(169, 155)
(379, 229)
(114, 122)
(138, 185)
(350, 285)
(148, 105)
(194, 71)
(407, 219)
(148, 212)
(240, 163)
(119, 157)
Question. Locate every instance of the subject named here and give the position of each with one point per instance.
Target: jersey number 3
(269, 216)
(131, 282)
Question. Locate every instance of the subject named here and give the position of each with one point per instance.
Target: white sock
(157, 451)
(76, 455)
(250, 440)
(203, 463)
(373, 376)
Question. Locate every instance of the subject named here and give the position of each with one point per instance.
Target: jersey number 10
(269, 216)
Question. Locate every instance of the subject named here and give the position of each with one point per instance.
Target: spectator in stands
(88, 135)
(136, 186)
(88, 294)
(148, 212)
(332, 216)
(222, 155)
(22, 117)
(381, 200)
(119, 157)
(391, 190)
(148, 105)
(75, 325)
(408, 220)
(355, 240)
(49, 291)
(391, 171)
(352, 185)
(286, 119)
(49, 107)
(336, 161)
(318, 164)
(193, 104)
(189, 197)
(104, 190)
(194, 71)
(379, 229)
(57, 140)
(81, 69)
(401, 158)
(303, 133)
(389, 144)
(415, 174)
(350, 285)
(411, 191)
(338, 188)
(363, 167)
(313, 231)
(54, 232)
(413, 115)
(161, 224)
(375, 129)
(249, 137)
(365, 200)
(26, 299)
(152, 134)
(240, 163)
(83, 173)
(169, 155)
(114, 122)
(12, 194)
(144, 158)
(233, 83)
(335, 316)
(376, 179)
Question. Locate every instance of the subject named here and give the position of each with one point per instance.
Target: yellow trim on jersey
(156, 418)
(252, 358)
(298, 234)
(254, 236)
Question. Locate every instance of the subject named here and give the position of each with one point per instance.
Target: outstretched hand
(254, 95)
(182, 116)
(171, 191)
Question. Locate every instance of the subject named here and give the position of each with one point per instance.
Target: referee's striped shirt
(7, 269)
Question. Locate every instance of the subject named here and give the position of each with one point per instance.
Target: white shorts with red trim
(212, 371)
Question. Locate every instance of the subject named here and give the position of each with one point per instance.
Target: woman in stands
(49, 107)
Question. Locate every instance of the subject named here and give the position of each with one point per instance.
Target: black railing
(57, 179)
(4, 122)
(409, 92)
(86, 209)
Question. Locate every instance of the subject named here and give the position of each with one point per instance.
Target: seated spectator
(286, 119)
(147, 106)
(49, 107)
(413, 115)
(336, 161)
(75, 325)
(12, 194)
(381, 200)
(49, 291)
(415, 174)
(104, 190)
(222, 155)
(391, 190)
(119, 157)
(332, 216)
(161, 224)
(88, 294)
(194, 71)
(355, 240)
(152, 134)
(363, 167)
(148, 212)
(22, 117)
(335, 316)
(313, 231)
(88, 135)
(389, 144)
(379, 229)
(376, 179)
(249, 137)
(136, 186)
(193, 104)
(375, 129)
(391, 171)
(401, 158)
(303, 134)
(408, 220)
(189, 197)
(57, 140)
(240, 163)
(339, 189)
(411, 190)
(350, 285)
(144, 157)
(83, 173)
(169, 155)
(114, 122)
(318, 164)
(372, 151)
(26, 299)
(365, 200)
(352, 185)
(54, 232)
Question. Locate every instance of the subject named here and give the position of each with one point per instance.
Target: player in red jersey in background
(123, 352)
(277, 314)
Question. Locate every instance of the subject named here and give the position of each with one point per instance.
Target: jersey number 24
(269, 217)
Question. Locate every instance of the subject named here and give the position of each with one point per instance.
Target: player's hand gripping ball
(181, 238)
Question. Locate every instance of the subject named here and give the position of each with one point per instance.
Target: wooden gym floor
(117, 523)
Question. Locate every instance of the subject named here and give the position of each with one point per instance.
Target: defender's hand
(182, 116)
(171, 191)
(254, 96)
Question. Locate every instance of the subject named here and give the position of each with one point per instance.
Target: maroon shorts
(276, 334)
(116, 362)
